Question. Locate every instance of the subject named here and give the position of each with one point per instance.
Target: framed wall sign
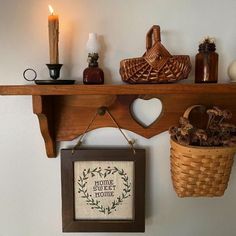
(103, 190)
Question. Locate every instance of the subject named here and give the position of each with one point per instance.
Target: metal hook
(102, 111)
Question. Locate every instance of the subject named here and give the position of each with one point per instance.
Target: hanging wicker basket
(157, 65)
(200, 171)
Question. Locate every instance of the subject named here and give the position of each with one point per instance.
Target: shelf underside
(63, 118)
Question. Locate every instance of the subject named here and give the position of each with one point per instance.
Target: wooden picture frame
(103, 190)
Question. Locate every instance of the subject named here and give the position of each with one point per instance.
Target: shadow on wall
(68, 49)
(102, 55)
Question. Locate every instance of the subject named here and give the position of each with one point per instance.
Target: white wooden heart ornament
(146, 112)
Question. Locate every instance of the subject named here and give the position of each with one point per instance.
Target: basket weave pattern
(157, 65)
(200, 171)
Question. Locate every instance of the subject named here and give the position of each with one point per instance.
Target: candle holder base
(54, 70)
(54, 82)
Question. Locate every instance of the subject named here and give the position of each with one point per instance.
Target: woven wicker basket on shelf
(157, 65)
(200, 171)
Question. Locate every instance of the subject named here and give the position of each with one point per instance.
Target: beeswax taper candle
(53, 29)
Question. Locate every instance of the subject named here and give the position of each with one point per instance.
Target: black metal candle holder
(54, 70)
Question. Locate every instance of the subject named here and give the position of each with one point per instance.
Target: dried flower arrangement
(217, 132)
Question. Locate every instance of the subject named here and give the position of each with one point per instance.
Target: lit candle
(53, 29)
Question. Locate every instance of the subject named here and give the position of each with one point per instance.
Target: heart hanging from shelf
(146, 112)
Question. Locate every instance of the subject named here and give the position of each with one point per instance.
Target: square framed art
(103, 190)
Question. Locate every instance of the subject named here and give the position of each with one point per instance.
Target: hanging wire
(130, 142)
(84, 133)
(101, 111)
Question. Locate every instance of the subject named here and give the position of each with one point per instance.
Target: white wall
(30, 202)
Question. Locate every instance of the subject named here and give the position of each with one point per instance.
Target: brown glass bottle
(206, 64)
(93, 74)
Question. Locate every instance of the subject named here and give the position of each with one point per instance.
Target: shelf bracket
(43, 108)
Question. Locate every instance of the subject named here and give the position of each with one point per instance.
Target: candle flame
(51, 9)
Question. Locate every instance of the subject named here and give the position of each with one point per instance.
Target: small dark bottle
(93, 74)
(206, 64)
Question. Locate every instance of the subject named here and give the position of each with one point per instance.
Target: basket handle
(154, 34)
(188, 111)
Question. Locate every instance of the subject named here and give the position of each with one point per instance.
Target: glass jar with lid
(206, 64)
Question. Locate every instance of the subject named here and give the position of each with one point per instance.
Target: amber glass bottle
(93, 74)
(206, 64)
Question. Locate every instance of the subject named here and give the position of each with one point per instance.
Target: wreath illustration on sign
(95, 204)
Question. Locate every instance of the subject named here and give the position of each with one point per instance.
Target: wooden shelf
(64, 111)
(117, 89)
